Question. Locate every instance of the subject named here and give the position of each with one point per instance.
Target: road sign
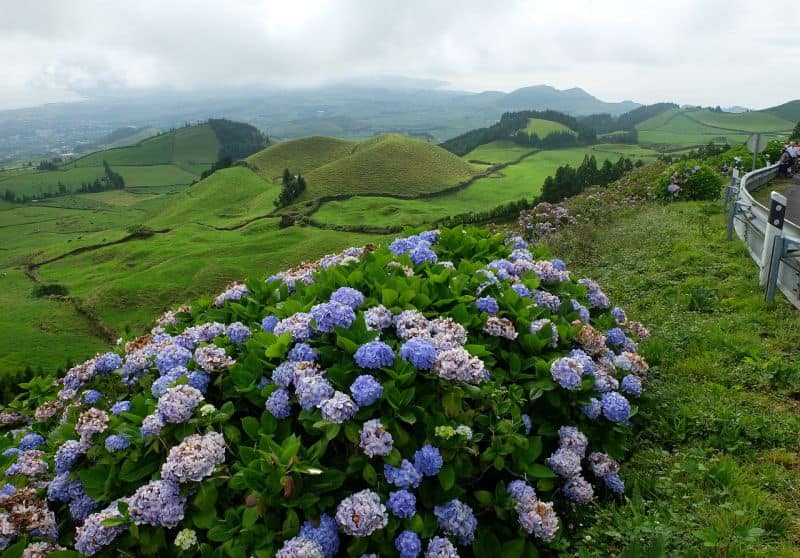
(757, 143)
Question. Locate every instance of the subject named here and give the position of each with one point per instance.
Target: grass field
(300, 156)
(544, 128)
(715, 464)
(522, 180)
(684, 127)
(495, 152)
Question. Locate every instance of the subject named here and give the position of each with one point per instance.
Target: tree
(293, 186)
(796, 132)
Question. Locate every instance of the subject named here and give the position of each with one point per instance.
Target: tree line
(110, 181)
(510, 125)
(568, 181)
(293, 186)
(604, 123)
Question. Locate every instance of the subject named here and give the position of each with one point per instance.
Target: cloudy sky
(687, 51)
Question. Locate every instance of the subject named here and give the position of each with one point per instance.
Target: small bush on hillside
(50, 289)
(447, 394)
(689, 180)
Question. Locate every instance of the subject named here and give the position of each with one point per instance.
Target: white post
(777, 211)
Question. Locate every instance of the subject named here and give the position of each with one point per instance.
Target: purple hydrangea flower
(92, 396)
(199, 381)
(550, 302)
(374, 355)
(115, 443)
(67, 454)
(348, 296)
(619, 315)
(583, 312)
(521, 290)
(578, 490)
(178, 404)
(237, 332)
(57, 489)
(172, 356)
(311, 391)
(408, 544)
(283, 375)
(565, 463)
(93, 536)
(615, 336)
(326, 534)
(298, 325)
(11, 452)
(428, 460)
(361, 514)
(107, 362)
(573, 439)
(520, 490)
(81, 505)
(375, 439)
(631, 385)
(585, 360)
(405, 476)
(615, 407)
(456, 518)
(487, 304)
(422, 253)
(440, 547)
(338, 408)
(378, 317)
(302, 352)
(194, 458)
(567, 372)
(526, 422)
(300, 547)
(158, 503)
(614, 483)
(151, 426)
(278, 404)
(402, 503)
(366, 390)
(329, 315)
(419, 352)
(31, 441)
(269, 322)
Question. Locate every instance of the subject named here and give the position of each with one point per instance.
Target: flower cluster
(544, 218)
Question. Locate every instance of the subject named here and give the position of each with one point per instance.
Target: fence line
(773, 243)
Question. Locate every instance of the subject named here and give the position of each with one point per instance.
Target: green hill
(226, 198)
(544, 128)
(300, 155)
(788, 111)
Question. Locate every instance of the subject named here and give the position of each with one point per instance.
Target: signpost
(755, 145)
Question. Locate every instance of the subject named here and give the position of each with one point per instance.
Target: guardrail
(773, 242)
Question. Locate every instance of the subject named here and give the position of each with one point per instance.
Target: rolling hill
(388, 164)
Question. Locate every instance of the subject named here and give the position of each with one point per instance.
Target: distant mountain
(575, 101)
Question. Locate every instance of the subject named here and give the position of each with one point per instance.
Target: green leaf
(447, 477)
(251, 427)
(539, 471)
(370, 475)
(484, 497)
(289, 449)
(249, 517)
(513, 549)
(388, 297)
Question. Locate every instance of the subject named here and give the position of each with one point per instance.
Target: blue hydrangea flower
(526, 423)
(440, 547)
(431, 236)
(93, 535)
(428, 460)
(178, 404)
(375, 440)
(92, 396)
(374, 355)
(456, 518)
(278, 404)
(263, 382)
(67, 454)
(614, 483)
(332, 314)
(520, 490)
(80, 504)
(199, 381)
(567, 372)
(57, 489)
(300, 547)
(107, 362)
(269, 322)
(11, 451)
(422, 253)
(408, 544)
(298, 325)
(631, 385)
(619, 315)
(31, 441)
(521, 290)
(158, 503)
(348, 296)
(311, 391)
(366, 390)
(361, 514)
(171, 357)
(338, 408)
(583, 312)
(585, 360)
(615, 336)
(283, 375)
(237, 332)
(558, 264)
(151, 426)
(400, 246)
(162, 384)
(115, 443)
(573, 439)
(487, 304)
(565, 463)
(405, 476)
(120, 407)
(615, 407)
(326, 534)
(578, 490)
(402, 503)
(419, 352)
(302, 352)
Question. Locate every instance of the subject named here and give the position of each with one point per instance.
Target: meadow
(544, 128)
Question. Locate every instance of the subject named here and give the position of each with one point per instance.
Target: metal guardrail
(773, 242)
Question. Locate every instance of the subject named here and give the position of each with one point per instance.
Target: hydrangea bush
(689, 180)
(451, 394)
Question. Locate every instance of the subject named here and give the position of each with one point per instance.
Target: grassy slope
(195, 145)
(522, 180)
(300, 155)
(499, 151)
(718, 452)
(544, 128)
(226, 198)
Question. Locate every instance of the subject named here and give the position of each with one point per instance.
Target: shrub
(50, 289)
(446, 390)
(689, 180)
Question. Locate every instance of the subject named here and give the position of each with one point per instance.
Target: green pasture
(500, 151)
(544, 128)
(300, 156)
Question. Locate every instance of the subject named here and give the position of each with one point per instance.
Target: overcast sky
(687, 51)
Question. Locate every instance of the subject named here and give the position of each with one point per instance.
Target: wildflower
(374, 355)
(428, 460)
(278, 404)
(361, 514)
(406, 476)
(338, 408)
(456, 518)
(375, 440)
(402, 503)
(366, 390)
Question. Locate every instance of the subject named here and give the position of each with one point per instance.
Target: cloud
(713, 52)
